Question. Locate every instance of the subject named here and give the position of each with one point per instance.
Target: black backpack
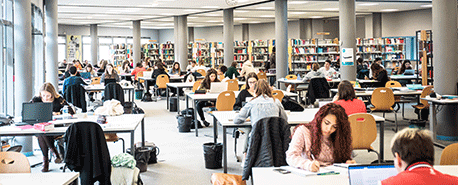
(292, 105)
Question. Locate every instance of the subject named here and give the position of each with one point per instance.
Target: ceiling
(158, 14)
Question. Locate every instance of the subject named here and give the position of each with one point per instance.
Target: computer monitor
(38, 112)
(370, 174)
(109, 80)
(86, 75)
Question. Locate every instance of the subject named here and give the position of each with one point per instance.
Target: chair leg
(378, 155)
(235, 149)
(395, 121)
(123, 145)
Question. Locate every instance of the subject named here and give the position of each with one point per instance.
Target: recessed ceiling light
(297, 2)
(368, 4)
(330, 9)
(427, 6)
(265, 8)
(389, 10)
(316, 17)
(210, 7)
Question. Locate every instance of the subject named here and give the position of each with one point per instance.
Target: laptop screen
(409, 72)
(36, 112)
(85, 75)
(370, 174)
(217, 87)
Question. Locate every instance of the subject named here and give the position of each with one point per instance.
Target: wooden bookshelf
(303, 54)
(167, 54)
(241, 53)
(259, 53)
(201, 52)
(424, 55)
(217, 54)
(151, 51)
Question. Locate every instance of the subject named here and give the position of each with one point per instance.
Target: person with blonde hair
(47, 93)
(315, 72)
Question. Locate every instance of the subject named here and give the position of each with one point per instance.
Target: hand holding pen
(315, 165)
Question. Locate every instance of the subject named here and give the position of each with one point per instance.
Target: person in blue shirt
(73, 79)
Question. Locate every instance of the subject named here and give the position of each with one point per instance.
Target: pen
(329, 173)
(313, 157)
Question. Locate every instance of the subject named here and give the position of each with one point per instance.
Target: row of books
(167, 52)
(240, 51)
(219, 54)
(304, 50)
(259, 43)
(151, 46)
(168, 58)
(240, 43)
(260, 50)
(240, 57)
(168, 45)
(301, 42)
(259, 58)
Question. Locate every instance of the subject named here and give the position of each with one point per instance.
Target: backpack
(292, 105)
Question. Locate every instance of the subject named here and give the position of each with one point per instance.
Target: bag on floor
(291, 105)
(226, 179)
(147, 97)
(188, 111)
(132, 108)
(424, 113)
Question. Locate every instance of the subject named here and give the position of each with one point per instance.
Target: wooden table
(38, 178)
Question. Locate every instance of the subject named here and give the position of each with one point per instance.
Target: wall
(105, 31)
(165, 35)
(406, 23)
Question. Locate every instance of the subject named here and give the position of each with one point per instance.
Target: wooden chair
(243, 87)
(113, 137)
(397, 99)
(232, 85)
(221, 77)
(383, 100)
(161, 82)
(95, 80)
(149, 69)
(291, 77)
(278, 94)
(423, 103)
(202, 72)
(363, 132)
(393, 84)
(225, 101)
(14, 162)
(450, 155)
(262, 75)
(140, 74)
(196, 85)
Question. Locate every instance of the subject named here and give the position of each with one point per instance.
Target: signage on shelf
(347, 58)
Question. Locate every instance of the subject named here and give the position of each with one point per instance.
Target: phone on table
(282, 171)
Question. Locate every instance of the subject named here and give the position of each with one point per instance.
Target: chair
(232, 85)
(393, 84)
(149, 69)
(290, 77)
(202, 72)
(363, 132)
(196, 85)
(423, 103)
(114, 91)
(161, 81)
(139, 74)
(450, 155)
(318, 89)
(383, 100)
(221, 77)
(397, 99)
(278, 94)
(243, 87)
(14, 162)
(262, 75)
(113, 137)
(225, 101)
(76, 94)
(95, 80)
(354, 84)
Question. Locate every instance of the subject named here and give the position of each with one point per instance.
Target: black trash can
(173, 104)
(415, 123)
(142, 155)
(138, 94)
(213, 154)
(184, 123)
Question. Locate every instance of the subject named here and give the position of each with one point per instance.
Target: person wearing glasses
(248, 92)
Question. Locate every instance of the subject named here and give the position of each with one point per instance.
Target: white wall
(165, 35)
(105, 31)
(406, 23)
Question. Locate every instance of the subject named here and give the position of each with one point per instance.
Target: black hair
(73, 70)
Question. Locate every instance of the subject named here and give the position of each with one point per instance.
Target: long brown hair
(49, 88)
(248, 76)
(345, 91)
(113, 72)
(206, 82)
(341, 138)
(263, 88)
(176, 70)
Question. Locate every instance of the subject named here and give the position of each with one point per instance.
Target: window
(38, 48)
(61, 48)
(6, 57)
(87, 54)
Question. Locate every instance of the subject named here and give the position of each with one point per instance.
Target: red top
(136, 70)
(421, 173)
(352, 106)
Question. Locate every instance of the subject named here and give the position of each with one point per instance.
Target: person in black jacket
(159, 69)
(47, 93)
(252, 78)
(380, 75)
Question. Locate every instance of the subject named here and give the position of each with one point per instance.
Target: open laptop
(409, 72)
(370, 174)
(38, 112)
(85, 75)
(218, 87)
(147, 74)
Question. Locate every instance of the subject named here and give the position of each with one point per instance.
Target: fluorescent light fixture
(316, 17)
(297, 13)
(213, 21)
(330, 9)
(192, 17)
(267, 16)
(243, 1)
(212, 14)
(210, 7)
(167, 14)
(265, 8)
(239, 19)
(297, 2)
(240, 11)
(368, 4)
(89, 17)
(389, 10)
(427, 6)
(254, 22)
(190, 10)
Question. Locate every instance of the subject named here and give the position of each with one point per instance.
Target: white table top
(181, 84)
(395, 92)
(125, 74)
(441, 101)
(266, 176)
(38, 178)
(302, 82)
(403, 77)
(101, 87)
(170, 78)
(125, 122)
(226, 118)
(211, 96)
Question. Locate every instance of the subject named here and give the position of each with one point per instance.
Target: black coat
(318, 88)
(269, 141)
(114, 91)
(87, 153)
(76, 94)
(57, 104)
(241, 98)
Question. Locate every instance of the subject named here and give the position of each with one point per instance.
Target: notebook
(38, 112)
(218, 87)
(370, 174)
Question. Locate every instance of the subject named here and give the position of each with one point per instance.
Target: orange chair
(423, 103)
(363, 132)
(232, 85)
(225, 101)
(243, 87)
(161, 82)
(449, 155)
(291, 77)
(278, 94)
(196, 85)
(113, 137)
(95, 80)
(383, 100)
(262, 75)
(397, 99)
(14, 162)
(202, 72)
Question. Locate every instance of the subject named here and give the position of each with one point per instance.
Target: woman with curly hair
(324, 141)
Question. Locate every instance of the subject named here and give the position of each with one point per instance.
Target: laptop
(218, 87)
(147, 74)
(107, 81)
(409, 72)
(85, 75)
(370, 174)
(38, 112)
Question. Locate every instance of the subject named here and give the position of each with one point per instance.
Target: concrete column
(377, 25)
(228, 36)
(190, 34)
(281, 38)
(444, 18)
(94, 44)
(136, 32)
(245, 32)
(181, 38)
(305, 28)
(347, 27)
(51, 42)
(23, 64)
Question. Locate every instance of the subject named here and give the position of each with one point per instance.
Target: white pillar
(181, 38)
(347, 27)
(377, 25)
(281, 38)
(305, 28)
(228, 36)
(51, 42)
(94, 44)
(137, 45)
(245, 32)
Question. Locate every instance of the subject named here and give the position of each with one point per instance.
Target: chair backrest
(149, 69)
(202, 72)
(426, 92)
(225, 101)
(278, 94)
(243, 87)
(393, 84)
(232, 85)
(196, 85)
(382, 98)
(140, 74)
(221, 77)
(95, 80)
(449, 155)
(14, 162)
(114, 91)
(291, 77)
(262, 75)
(363, 130)
(162, 80)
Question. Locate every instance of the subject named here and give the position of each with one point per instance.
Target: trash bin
(213, 154)
(138, 94)
(184, 123)
(173, 104)
(416, 123)
(142, 155)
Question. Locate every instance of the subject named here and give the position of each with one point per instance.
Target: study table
(212, 97)
(101, 87)
(226, 120)
(433, 123)
(126, 123)
(39, 178)
(267, 176)
(179, 87)
(404, 77)
(300, 82)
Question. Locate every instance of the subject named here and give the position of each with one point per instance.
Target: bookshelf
(167, 53)
(217, 54)
(119, 53)
(240, 52)
(151, 50)
(424, 55)
(393, 51)
(303, 54)
(189, 53)
(327, 49)
(259, 52)
(201, 52)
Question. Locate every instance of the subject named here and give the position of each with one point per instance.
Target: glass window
(86, 40)
(119, 40)
(6, 58)
(87, 52)
(61, 40)
(104, 52)
(61, 52)
(144, 41)
(105, 40)
(38, 48)
(130, 41)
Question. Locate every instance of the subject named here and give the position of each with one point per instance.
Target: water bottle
(65, 112)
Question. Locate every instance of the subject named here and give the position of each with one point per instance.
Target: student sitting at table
(191, 66)
(103, 65)
(159, 69)
(327, 70)
(313, 73)
(77, 64)
(262, 106)
(380, 74)
(205, 85)
(110, 73)
(222, 70)
(232, 71)
(90, 70)
(405, 66)
(247, 67)
(413, 152)
(48, 94)
(125, 68)
(324, 141)
(73, 79)
(346, 98)
(176, 70)
(248, 92)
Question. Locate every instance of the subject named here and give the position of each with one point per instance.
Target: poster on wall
(74, 48)
(347, 58)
